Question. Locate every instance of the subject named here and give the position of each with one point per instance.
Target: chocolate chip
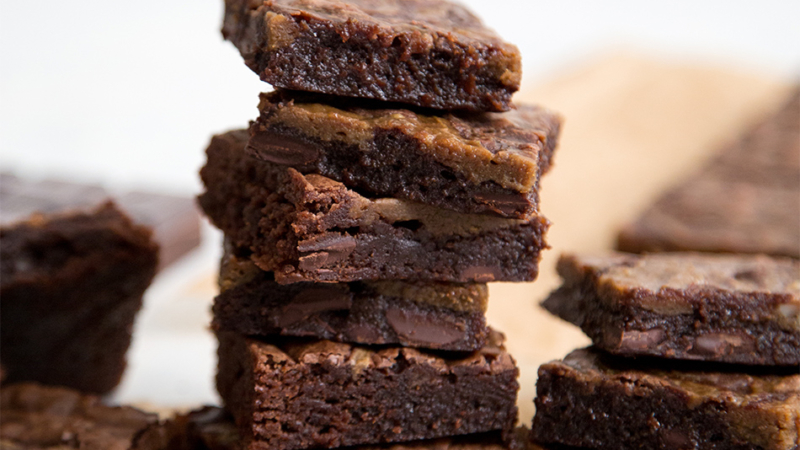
(326, 249)
(640, 340)
(718, 344)
(312, 301)
(281, 149)
(420, 328)
(506, 205)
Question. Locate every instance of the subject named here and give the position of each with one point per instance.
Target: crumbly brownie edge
(299, 50)
(367, 393)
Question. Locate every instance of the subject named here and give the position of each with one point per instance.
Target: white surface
(128, 93)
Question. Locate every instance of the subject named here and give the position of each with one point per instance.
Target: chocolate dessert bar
(430, 53)
(70, 286)
(290, 394)
(312, 228)
(39, 417)
(212, 428)
(744, 201)
(729, 308)
(434, 315)
(175, 220)
(486, 163)
(594, 400)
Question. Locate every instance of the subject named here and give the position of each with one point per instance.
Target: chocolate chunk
(281, 149)
(312, 301)
(420, 328)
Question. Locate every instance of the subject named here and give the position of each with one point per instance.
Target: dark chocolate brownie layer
(594, 400)
(51, 418)
(472, 163)
(729, 308)
(212, 428)
(435, 315)
(430, 53)
(744, 201)
(322, 394)
(311, 228)
(70, 286)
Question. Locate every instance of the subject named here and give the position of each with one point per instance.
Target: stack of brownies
(691, 350)
(386, 180)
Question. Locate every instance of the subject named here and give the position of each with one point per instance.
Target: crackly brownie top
(671, 282)
(236, 270)
(39, 417)
(492, 357)
(504, 148)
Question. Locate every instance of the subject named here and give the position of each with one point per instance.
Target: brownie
(594, 400)
(745, 200)
(429, 53)
(175, 220)
(728, 308)
(297, 394)
(70, 286)
(39, 417)
(488, 163)
(211, 428)
(435, 315)
(312, 228)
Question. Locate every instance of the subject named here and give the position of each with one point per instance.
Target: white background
(128, 93)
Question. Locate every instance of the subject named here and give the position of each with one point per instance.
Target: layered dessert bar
(486, 163)
(434, 315)
(290, 394)
(744, 201)
(70, 286)
(728, 308)
(312, 228)
(594, 400)
(430, 53)
(47, 417)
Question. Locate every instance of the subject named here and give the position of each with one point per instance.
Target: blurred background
(128, 94)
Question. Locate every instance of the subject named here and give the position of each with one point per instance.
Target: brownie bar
(744, 201)
(444, 316)
(70, 286)
(729, 308)
(593, 400)
(291, 394)
(311, 228)
(429, 53)
(213, 428)
(486, 163)
(52, 418)
(175, 220)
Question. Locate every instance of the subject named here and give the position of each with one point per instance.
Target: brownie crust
(312, 228)
(487, 163)
(70, 286)
(594, 400)
(743, 201)
(429, 53)
(443, 316)
(728, 308)
(320, 394)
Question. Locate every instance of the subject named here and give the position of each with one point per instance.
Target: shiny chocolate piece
(625, 404)
(430, 53)
(728, 308)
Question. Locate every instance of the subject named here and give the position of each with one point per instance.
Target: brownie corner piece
(623, 403)
(638, 305)
(291, 394)
(430, 53)
(71, 284)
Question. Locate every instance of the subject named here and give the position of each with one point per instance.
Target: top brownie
(430, 53)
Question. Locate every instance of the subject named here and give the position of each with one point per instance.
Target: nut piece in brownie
(291, 394)
(595, 400)
(312, 228)
(39, 417)
(743, 201)
(728, 308)
(430, 53)
(213, 428)
(434, 315)
(70, 286)
(487, 163)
